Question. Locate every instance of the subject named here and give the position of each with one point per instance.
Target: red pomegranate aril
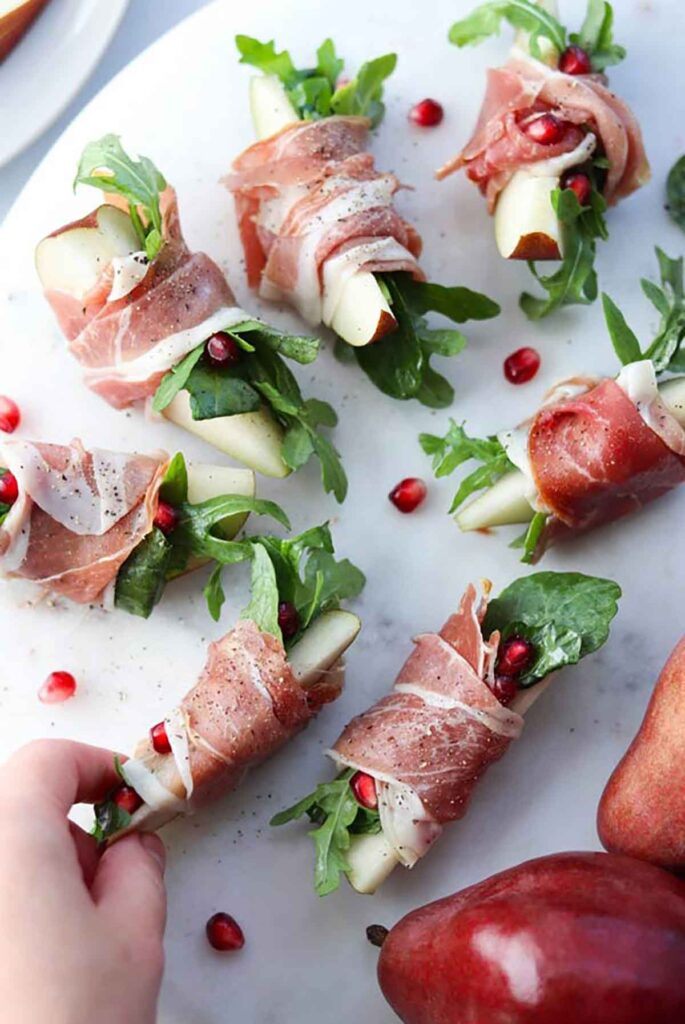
(580, 184)
(505, 689)
(545, 129)
(126, 798)
(288, 619)
(10, 417)
(9, 489)
(516, 654)
(364, 788)
(408, 494)
(58, 687)
(166, 517)
(427, 113)
(224, 933)
(522, 365)
(222, 349)
(159, 738)
(575, 61)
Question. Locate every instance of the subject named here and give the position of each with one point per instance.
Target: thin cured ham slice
(127, 344)
(606, 452)
(308, 193)
(430, 740)
(524, 86)
(244, 707)
(78, 516)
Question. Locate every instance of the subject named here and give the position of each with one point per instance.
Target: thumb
(128, 887)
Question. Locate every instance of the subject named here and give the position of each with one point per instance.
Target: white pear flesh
(322, 645)
(526, 226)
(549, 54)
(254, 438)
(363, 314)
(73, 260)
(208, 481)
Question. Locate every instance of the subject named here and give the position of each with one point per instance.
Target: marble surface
(184, 103)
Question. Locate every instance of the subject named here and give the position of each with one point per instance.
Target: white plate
(184, 102)
(50, 64)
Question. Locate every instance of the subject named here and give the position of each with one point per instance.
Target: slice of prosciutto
(244, 707)
(78, 516)
(524, 86)
(128, 336)
(310, 193)
(430, 740)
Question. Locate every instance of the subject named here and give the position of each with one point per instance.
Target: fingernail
(155, 847)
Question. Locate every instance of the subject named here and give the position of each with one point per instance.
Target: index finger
(60, 773)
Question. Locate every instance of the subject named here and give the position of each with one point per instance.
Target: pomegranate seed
(9, 489)
(222, 349)
(166, 517)
(408, 494)
(580, 184)
(427, 113)
(126, 798)
(224, 933)
(58, 687)
(159, 738)
(515, 655)
(10, 416)
(364, 789)
(288, 619)
(575, 61)
(505, 689)
(522, 365)
(546, 129)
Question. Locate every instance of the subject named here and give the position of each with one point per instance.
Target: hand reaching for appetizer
(80, 932)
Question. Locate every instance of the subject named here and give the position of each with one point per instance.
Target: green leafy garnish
(263, 606)
(106, 165)
(530, 538)
(669, 301)
(261, 376)
(564, 615)
(336, 811)
(455, 448)
(399, 364)
(109, 819)
(675, 192)
(143, 576)
(595, 36)
(575, 281)
(314, 92)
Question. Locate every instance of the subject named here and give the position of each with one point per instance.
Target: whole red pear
(574, 938)
(642, 810)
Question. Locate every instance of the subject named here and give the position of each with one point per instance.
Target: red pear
(642, 810)
(575, 938)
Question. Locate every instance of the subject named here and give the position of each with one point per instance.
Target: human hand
(80, 930)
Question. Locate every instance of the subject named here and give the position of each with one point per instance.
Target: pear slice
(526, 226)
(254, 438)
(74, 258)
(270, 106)
(322, 644)
(207, 481)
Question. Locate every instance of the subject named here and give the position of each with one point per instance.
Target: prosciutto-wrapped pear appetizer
(408, 766)
(150, 320)
(597, 450)
(261, 685)
(94, 525)
(554, 146)
(320, 229)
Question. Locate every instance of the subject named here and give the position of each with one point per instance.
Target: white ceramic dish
(184, 102)
(49, 65)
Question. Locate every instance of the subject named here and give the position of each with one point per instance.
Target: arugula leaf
(109, 819)
(669, 301)
(335, 809)
(530, 538)
(565, 615)
(455, 448)
(596, 36)
(486, 20)
(675, 192)
(216, 392)
(174, 487)
(105, 164)
(314, 92)
(142, 578)
(175, 380)
(575, 282)
(399, 364)
(263, 606)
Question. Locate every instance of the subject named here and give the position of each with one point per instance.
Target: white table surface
(144, 21)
